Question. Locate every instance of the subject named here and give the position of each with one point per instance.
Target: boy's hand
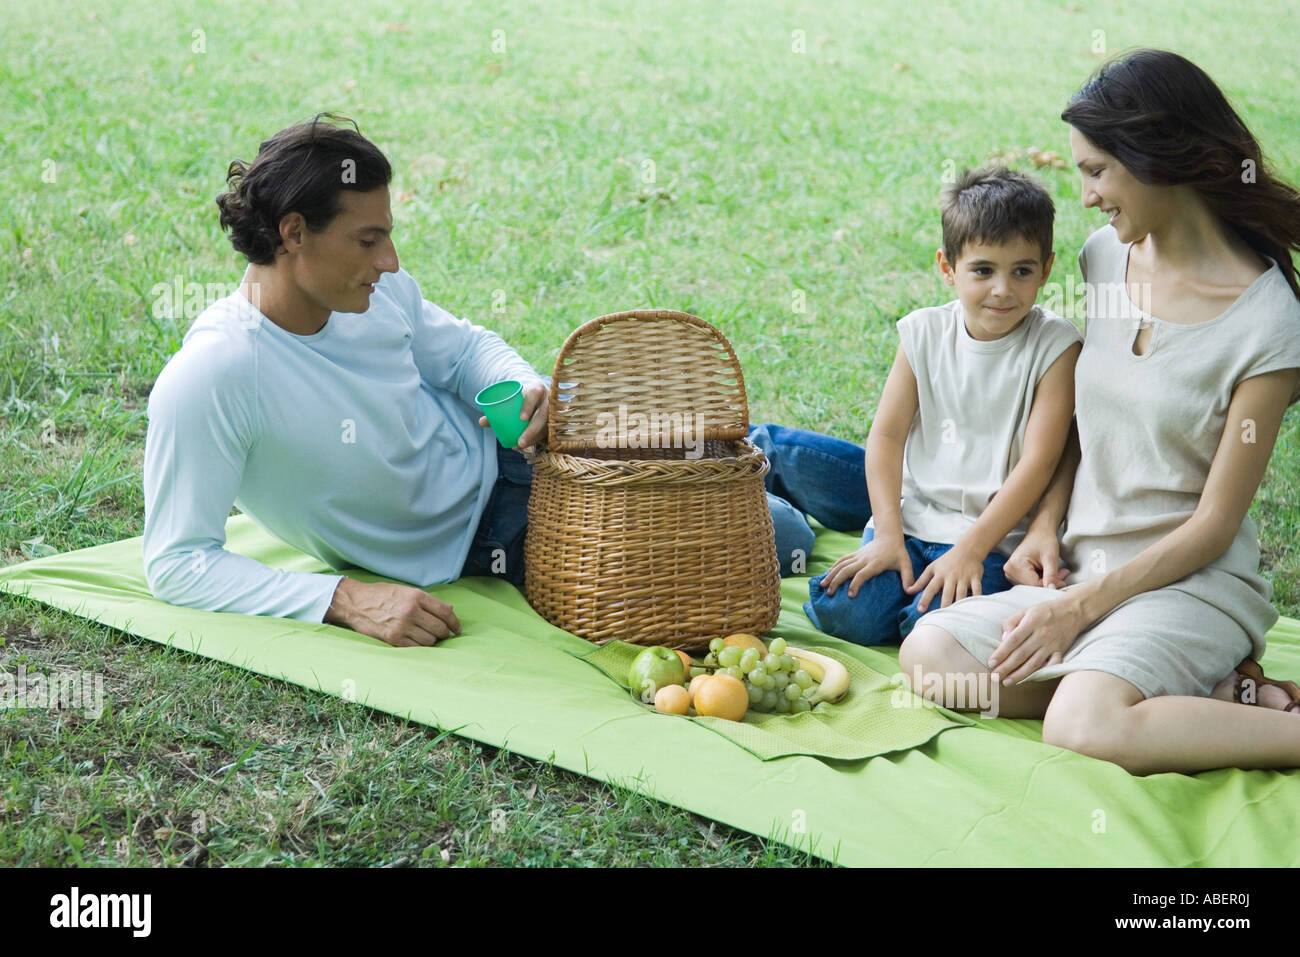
(1037, 561)
(878, 555)
(956, 573)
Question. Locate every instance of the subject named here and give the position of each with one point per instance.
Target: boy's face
(336, 268)
(997, 284)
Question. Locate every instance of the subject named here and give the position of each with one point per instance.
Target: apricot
(722, 696)
(743, 641)
(695, 685)
(672, 699)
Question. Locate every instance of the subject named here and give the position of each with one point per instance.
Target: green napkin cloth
(877, 716)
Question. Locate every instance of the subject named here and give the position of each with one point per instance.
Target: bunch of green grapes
(775, 681)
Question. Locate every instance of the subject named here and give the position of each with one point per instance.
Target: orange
(672, 699)
(743, 641)
(695, 685)
(722, 696)
(686, 662)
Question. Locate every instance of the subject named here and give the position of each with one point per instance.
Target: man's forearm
(343, 603)
(214, 579)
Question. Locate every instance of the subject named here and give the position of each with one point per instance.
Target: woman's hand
(1037, 561)
(956, 573)
(1035, 637)
(878, 555)
(537, 399)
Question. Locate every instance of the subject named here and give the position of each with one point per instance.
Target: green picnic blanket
(988, 793)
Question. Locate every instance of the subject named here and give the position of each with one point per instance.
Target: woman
(1191, 357)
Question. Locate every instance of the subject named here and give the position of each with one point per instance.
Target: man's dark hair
(996, 205)
(300, 169)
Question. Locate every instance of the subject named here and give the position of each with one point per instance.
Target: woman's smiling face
(1132, 205)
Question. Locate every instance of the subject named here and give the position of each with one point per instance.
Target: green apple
(655, 668)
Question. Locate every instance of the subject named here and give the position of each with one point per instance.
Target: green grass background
(613, 155)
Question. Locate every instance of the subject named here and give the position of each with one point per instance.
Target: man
(351, 437)
(334, 406)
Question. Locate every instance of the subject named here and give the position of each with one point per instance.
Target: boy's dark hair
(300, 169)
(995, 205)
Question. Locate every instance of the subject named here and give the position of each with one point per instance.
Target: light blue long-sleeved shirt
(359, 445)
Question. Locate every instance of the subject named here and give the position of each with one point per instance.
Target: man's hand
(400, 615)
(1037, 561)
(537, 399)
(953, 575)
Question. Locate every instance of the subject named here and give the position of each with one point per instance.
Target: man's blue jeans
(498, 546)
(882, 612)
(810, 474)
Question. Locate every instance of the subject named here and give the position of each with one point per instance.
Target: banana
(831, 676)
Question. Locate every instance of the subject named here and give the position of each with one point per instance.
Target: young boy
(972, 421)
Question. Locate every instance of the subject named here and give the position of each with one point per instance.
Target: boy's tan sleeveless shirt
(1149, 426)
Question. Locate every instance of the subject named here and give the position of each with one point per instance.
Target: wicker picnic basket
(648, 520)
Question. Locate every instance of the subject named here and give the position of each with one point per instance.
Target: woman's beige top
(1149, 426)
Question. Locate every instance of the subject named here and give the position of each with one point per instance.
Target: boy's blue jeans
(810, 473)
(882, 612)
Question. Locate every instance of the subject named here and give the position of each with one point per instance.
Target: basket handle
(648, 378)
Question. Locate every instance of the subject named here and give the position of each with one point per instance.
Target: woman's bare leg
(937, 653)
(1104, 716)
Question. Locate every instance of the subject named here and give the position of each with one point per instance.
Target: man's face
(337, 268)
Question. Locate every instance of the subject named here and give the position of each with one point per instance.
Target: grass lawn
(771, 167)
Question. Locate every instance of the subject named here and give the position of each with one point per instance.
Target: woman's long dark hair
(1162, 116)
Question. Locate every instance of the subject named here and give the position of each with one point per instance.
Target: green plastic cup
(502, 404)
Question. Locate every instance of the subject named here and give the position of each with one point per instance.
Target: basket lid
(648, 378)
